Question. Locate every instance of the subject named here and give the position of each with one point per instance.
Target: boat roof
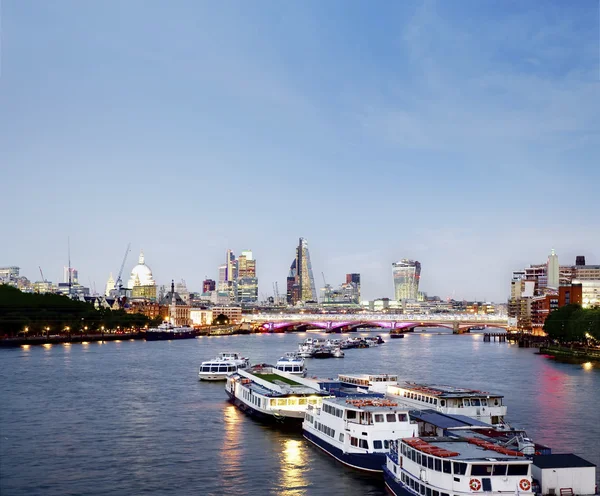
(371, 377)
(464, 449)
(289, 388)
(367, 404)
(566, 460)
(444, 421)
(443, 391)
(290, 359)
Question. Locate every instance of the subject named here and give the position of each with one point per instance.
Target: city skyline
(452, 111)
(265, 288)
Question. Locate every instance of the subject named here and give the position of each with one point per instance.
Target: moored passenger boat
(357, 431)
(368, 382)
(446, 466)
(218, 369)
(166, 331)
(268, 394)
(483, 406)
(292, 363)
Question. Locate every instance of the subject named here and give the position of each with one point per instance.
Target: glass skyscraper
(407, 274)
(300, 281)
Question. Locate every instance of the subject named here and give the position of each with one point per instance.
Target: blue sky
(464, 134)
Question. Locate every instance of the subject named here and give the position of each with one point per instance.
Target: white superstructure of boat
(357, 431)
(445, 466)
(483, 406)
(374, 383)
(291, 363)
(223, 365)
(266, 393)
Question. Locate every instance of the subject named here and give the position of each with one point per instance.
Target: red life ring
(525, 485)
(475, 484)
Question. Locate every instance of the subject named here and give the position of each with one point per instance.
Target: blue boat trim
(393, 485)
(369, 462)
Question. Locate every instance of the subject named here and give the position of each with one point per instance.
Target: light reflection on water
(132, 418)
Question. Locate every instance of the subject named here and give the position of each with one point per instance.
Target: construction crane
(119, 281)
(42, 274)
(324, 281)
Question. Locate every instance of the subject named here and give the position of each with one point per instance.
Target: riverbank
(73, 338)
(571, 353)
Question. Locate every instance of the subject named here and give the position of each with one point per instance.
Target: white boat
(338, 353)
(218, 369)
(375, 383)
(444, 466)
(291, 363)
(357, 431)
(483, 406)
(306, 350)
(268, 394)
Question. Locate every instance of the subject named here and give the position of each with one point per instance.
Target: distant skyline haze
(464, 135)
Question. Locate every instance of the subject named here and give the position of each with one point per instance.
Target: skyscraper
(247, 283)
(300, 281)
(552, 270)
(208, 285)
(580, 260)
(407, 274)
(74, 275)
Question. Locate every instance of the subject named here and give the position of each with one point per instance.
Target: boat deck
(465, 450)
(274, 378)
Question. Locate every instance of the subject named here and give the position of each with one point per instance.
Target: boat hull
(261, 416)
(371, 462)
(393, 485)
(212, 377)
(167, 336)
(396, 336)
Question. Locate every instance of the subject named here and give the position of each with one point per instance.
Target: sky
(464, 134)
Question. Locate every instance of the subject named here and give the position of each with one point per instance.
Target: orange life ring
(475, 484)
(525, 485)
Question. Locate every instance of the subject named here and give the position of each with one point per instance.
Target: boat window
(386, 444)
(341, 437)
(353, 441)
(499, 470)
(481, 470)
(402, 417)
(437, 464)
(484, 402)
(214, 368)
(518, 469)
(377, 445)
(435, 403)
(390, 417)
(459, 468)
(475, 402)
(312, 401)
(364, 444)
(427, 491)
(486, 483)
(436, 493)
(205, 369)
(466, 402)
(497, 402)
(378, 417)
(418, 460)
(421, 488)
(411, 483)
(351, 414)
(413, 455)
(281, 402)
(292, 401)
(444, 494)
(443, 403)
(430, 462)
(302, 401)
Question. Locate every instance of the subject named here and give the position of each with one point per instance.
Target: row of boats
(426, 440)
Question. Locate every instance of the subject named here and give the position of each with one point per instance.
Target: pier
(494, 336)
(73, 338)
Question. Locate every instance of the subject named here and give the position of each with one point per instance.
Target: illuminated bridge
(459, 323)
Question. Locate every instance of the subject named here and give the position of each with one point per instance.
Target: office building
(552, 270)
(208, 285)
(406, 274)
(70, 275)
(300, 280)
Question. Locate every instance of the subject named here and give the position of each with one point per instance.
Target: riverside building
(406, 274)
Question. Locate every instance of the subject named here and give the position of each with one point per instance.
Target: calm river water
(131, 418)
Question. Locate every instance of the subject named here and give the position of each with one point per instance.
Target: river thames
(128, 418)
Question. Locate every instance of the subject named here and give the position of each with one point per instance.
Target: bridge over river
(459, 323)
